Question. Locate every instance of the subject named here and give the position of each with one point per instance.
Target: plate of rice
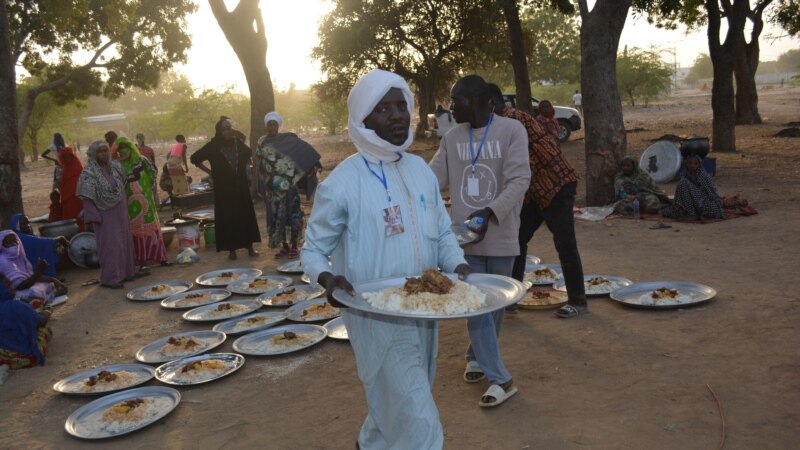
(251, 322)
(259, 285)
(121, 413)
(158, 291)
(480, 294)
(224, 277)
(290, 295)
(199, 369)
(543, 299)
(280, 340)
(597, 285)
(291, 267)
(193, 299)
(663, 294)
(106, 379)
(180, 345)
(542, 274)
(221, 311)
(315, 310)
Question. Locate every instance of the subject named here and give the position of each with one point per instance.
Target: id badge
(393, 220)
(473, 187)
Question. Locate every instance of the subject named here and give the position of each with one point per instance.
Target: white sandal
(499, 394)
(473, 367)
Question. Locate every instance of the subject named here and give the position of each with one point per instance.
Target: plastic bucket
(210, 234)
(188, 233)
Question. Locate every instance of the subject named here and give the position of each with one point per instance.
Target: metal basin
(67, 228)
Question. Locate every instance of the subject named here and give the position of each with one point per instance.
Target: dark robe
(234, 216)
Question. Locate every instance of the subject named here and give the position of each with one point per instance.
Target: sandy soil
(616, 378)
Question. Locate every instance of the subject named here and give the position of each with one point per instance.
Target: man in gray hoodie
(483, 161)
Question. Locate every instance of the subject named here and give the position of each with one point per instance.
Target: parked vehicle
(569, 119)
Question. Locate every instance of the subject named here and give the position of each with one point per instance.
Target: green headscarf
(141, 191)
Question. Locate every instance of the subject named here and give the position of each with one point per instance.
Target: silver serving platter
(138, 293)
(150, 354)
(295, 313)
(166, 372)
(531, 267)
(630, 295)
(305, 278)
(464, 236)
(312, 291)
(201, 313)
(73, 383)
(248, 343)
(241, 286)
(214, 295)
(500, 292)
(617, 283)
(229, 326)
(336, 329)
(78, 422)
(532, 259)
(210, 278)
(295, 266)
(202, 214)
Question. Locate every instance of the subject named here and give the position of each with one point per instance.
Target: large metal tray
(272, 318)
(214, 295)
(73, 383)
(336, 329)
(616, 283)
(312, 291)
(166, 373)
(500, 292)
(248, 343)
(630, 295)
(242, 286)
(79, 423)
(206, 215)
(291, 267)
(241, 273)
(176, 287)
(201, 313)
(150, 354)
(530, 267)
(295, 313)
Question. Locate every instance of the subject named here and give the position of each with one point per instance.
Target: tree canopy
(425, 42)
(642, 75)
(701, 69)
(80, 48)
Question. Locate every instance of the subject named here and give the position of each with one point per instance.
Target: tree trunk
(518, 60)
(244, 29)
(602, 106)
(723, 59)
(10, 183)
(427, 104)
(745, 70)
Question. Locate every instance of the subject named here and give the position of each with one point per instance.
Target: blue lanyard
(474, 159)
(381, 177)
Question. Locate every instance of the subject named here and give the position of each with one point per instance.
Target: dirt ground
(617, 378)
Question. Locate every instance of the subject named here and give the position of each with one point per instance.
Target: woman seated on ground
(28, 283)
(52, 250)
(696, 196)
(632, 183)
(24, 334)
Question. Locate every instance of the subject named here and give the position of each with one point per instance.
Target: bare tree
(245, 32)
(602, 107)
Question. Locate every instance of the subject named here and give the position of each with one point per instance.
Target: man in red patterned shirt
(549, 199)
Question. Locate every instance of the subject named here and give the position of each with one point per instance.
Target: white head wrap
(366, 93)
(273, 116)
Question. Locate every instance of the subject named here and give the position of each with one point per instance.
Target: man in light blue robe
(379, 214)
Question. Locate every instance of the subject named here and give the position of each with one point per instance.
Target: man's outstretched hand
(332, 282)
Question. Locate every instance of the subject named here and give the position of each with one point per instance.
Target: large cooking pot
(169, 235)
(67, 228)
(695, 146)
(83, 250)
